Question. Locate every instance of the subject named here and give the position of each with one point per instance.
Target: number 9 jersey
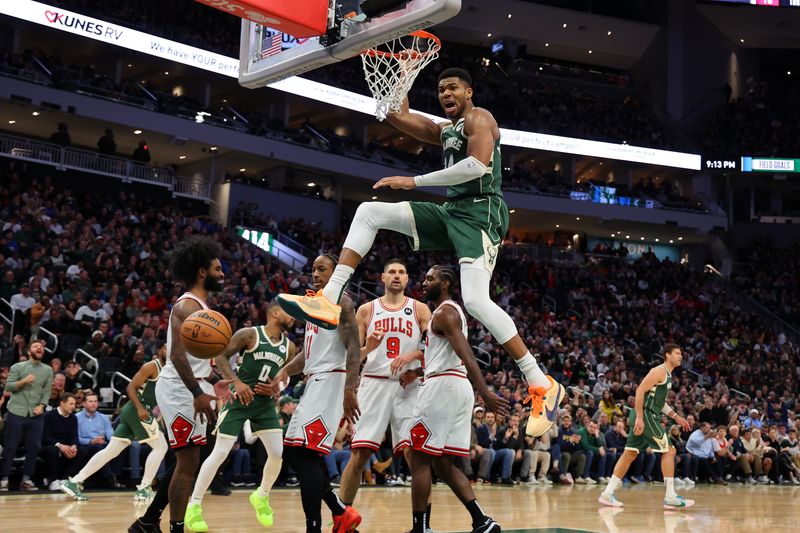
(402, 334)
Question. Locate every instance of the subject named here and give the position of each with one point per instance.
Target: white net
(391, 68)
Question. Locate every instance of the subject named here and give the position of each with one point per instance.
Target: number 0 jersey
(264, 360)
(402, 334)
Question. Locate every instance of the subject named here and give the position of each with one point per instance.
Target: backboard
(267, 55)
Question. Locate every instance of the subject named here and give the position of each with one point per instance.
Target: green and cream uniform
(474, 219)
(130, 426)
(654, 436)
(258, 365)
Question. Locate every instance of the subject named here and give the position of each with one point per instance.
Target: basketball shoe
(678, 502)
(73, 489)
(193, 519)
(544, 407)
(487, 526)
(610, 500)
(346, 522)
(261, 506)
(143, 494)
(313, 307)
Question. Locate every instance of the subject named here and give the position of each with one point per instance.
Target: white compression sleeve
(273, 443)
(210, 466)
(465, 170)
(99, 460)
(154, 458)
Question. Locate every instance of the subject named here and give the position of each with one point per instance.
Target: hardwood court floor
(387, 510)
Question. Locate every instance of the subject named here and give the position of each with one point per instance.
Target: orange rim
(413, 54)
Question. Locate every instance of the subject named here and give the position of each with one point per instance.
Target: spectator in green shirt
(29, 383)
(594, 444)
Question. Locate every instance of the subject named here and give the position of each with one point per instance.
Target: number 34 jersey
(402, 334)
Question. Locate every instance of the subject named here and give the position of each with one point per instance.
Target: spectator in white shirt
(91, 315)
(23, 299)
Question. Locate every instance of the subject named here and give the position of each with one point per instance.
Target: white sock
(273, 443)
(335, 288)
(669, 484)
(613, 483)
(210, 466)
(99, 460)
(533, 374)
(154, 458)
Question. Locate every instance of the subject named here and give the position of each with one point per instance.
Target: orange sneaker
(313, 307)
(346, 522)
(544, 407)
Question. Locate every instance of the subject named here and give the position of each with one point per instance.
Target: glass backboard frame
(350, 39)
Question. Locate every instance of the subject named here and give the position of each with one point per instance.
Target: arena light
(71, 22)
(137, 132)
(12, 121)
(35, 113)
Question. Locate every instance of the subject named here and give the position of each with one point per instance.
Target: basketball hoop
(391, 68)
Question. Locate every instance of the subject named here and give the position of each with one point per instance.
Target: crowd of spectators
(89, 267)
(771, 275)
(763, 122)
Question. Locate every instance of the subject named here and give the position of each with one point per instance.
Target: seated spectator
(593, 444)
(488, 437)
(725, 455)
(14, 353)
(483, 456)
(703, 449)
(62, 457)
(57, 390)
(337, 460)
(89, 316)
(510, 438)
(753, 445)
(72, 371)
(573, 457)
(29, 383)
(754, 421)
(94, 434)
(536, 457)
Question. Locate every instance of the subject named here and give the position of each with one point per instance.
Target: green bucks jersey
(656, 397)
(147, 394)
(454, 148)
(265, 360)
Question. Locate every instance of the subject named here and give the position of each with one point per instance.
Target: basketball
(205, 333)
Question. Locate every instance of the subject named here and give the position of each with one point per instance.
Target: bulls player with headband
(391, 329)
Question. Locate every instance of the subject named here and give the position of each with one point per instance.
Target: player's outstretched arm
(421, 128)
(147, 371)
(447, 322)
(348, 333)
(177, 355)
(244, 338)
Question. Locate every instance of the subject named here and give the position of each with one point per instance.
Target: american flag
(271, 44)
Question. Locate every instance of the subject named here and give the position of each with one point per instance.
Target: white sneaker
(761, 479)
(545, 481)
(590, 481)
(678, 502)
(689, 482)
(581, 481)
(4, 485)
(55, 485)
(610, 500)
(532, 481)
(679, 482)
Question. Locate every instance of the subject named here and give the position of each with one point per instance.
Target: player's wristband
(196, 391)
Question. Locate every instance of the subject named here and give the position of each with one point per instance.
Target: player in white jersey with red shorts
(330, 359)
(184, 394)
(443, 412)
(391, 330)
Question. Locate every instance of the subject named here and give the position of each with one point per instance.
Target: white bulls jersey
(201, 368)
(440, 356)
(402, 334)
(324, 350)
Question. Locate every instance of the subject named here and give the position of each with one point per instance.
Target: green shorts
(130, 427)
(472, 227)
(261, 413)
(653, 435)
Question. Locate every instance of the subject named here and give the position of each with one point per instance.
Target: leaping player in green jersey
(472, 222)
(264, 351)
(647, 432)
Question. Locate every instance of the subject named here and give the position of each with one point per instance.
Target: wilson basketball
(205, 333)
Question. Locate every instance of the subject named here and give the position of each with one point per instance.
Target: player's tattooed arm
(420, 127)
(177, 355)
(348, 333)
(447, 323)
(244, 338)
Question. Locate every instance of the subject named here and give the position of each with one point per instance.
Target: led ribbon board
(100, 30)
